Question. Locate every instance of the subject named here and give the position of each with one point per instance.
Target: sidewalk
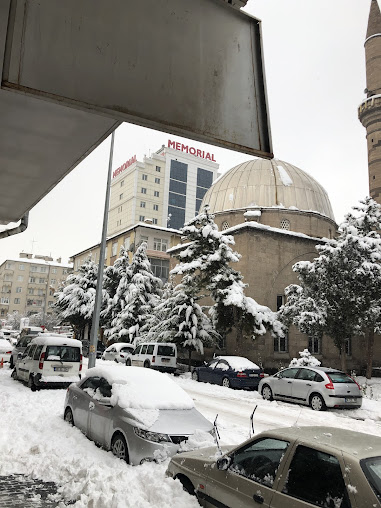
(23, 491)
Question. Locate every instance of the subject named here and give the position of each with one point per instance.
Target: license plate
(253, 375)
(350, 399)
(61, 369)
(165, 359)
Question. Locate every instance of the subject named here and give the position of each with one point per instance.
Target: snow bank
(5, 344)
(139, 388)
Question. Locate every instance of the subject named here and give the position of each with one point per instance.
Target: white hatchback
(118, 352)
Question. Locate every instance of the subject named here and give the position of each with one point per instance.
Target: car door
(303, 384)
(220, 371)
(100, 413)
(135, 356)
(21, 367)
(251, 477)
(283, 383)
(82, 402)
(205, 372)
(313, 477)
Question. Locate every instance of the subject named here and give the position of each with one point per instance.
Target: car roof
(321, 369)
(358, 444)
(53, 340)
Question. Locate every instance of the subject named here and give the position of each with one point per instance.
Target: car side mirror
(19, 356)
(104, 401)
(223, 463)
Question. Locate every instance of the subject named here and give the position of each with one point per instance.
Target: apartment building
(28, 284)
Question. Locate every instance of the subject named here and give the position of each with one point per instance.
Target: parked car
(118, 352)
(139, 414)
(49, 361)
(155, 355)
(318, 387)
(229, 371)
(21, 345)
(296, 467)
(5, 350)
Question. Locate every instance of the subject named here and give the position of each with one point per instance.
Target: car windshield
(372, 471)
(62, 353)
(340, 377)
(166, 350)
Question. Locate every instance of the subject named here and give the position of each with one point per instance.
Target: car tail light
(80, 363)
(355, 382)
(241, 374)
(153, 359)
(329, 385)
(41, 363)
(262, 374)
(8, 352)
(122, 356)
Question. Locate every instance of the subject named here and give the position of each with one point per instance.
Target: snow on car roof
(239, 362)
(139, 388)
(4, 343)
(53, 340)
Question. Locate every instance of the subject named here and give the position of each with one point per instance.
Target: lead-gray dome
(267, 183)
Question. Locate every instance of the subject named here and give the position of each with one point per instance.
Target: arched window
(225, 225)
(285, 224)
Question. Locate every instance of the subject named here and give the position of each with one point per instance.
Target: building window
(160, 244)
(54, 270)
(34, 268)
(141, 218)
(38, 302)
(281, 344)
(142, 204)
(314, 345)
(120, 196)
(20, 278)
(30, 291)
(144, 177)
(280, 300)
(204, 181)
(4, 301)
(32, 280)
(156, 193)
(114, 249)
(9, 266)
(144, 190)
(19, 290)
(156, 208)
(348, 347)
(122, 183)
(43, 269)
(157, 180)
(154, 221)
(118, 223)
(285, 224)
(21, 267)
(64, 271)
(42, 281)
(53, 282)
(160, 268)
(40, 292)
(225, 226)
(120, 208)
(158, 169)
(50, 304)
(127, 242)
(17, 301)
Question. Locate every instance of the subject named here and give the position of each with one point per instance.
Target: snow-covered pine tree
(305, 360)
(75, 300)
(208, 259)
(137, 296)
(340, 290)
(180, 319)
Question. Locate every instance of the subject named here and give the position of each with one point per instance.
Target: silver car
(139, 414)
(318, 387)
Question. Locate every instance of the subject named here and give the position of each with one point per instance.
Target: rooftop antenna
(33, 242)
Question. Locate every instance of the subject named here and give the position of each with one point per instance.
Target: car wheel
(14, 375)
(226, 382)
(119, 447)
(68, 417)
(31, 384)
(316, 402)
(103, 358)
(115, 360)
(128, 362)
(267, 393)
(146, 364)
(195, 375)
(187, 484)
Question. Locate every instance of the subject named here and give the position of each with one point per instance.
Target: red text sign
(124, 166)
(191, 150)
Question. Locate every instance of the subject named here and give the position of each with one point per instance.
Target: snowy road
(35, 440)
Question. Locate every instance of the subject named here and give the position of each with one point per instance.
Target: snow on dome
(239, 363)
(139, 388)
(268, 184)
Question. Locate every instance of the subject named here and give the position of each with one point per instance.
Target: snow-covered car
(318, 387)
(295, 467)
(230, 371)
(117, 352)
(139, 414)
(49, 361)
(5, 350)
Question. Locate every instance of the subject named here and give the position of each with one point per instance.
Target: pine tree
(180, 319)
(137, 295)
(340, 290)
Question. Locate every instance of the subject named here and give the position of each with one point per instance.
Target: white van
(155, 355)
(49, 361)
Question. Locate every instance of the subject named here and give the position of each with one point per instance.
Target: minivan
(49, 361)
(21, 345)
(155, 355)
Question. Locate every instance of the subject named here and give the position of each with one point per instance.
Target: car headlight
(155, 437)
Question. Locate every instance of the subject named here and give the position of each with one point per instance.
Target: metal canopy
(73, 70)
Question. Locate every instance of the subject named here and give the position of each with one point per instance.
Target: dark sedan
(230, 371)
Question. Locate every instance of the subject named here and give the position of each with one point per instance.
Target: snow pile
(239, 363)
(305, 360)
(138, 388)
(252, 213)
(284, 176)
(5, 345)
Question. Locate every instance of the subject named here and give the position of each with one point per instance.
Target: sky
(315, 73)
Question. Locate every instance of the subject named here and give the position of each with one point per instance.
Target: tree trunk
(343, 357)
(369, 352)
(189, 359)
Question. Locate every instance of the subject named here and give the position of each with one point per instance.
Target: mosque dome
(268, 184)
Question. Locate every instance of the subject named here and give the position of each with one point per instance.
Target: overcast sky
(315, 71)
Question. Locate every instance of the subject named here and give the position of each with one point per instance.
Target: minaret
(370, 109)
